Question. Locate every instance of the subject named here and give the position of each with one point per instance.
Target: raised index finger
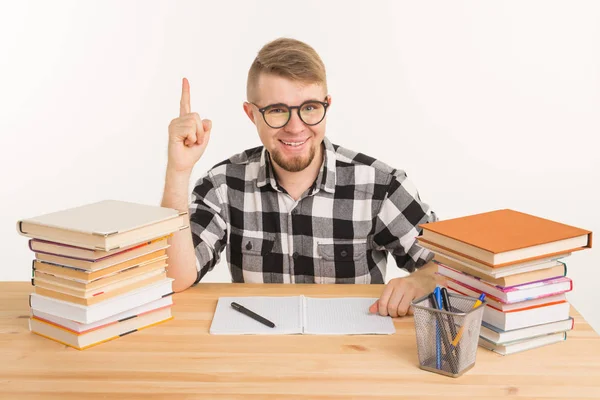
(184, 106)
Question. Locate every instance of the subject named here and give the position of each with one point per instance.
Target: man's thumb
(207, 125)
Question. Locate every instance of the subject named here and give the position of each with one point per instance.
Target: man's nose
(295, 124)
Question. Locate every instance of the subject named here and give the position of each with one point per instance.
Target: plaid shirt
(339, 231)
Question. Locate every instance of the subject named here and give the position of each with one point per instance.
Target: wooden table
(179, 359)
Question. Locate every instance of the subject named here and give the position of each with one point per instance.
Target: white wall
(486, 105)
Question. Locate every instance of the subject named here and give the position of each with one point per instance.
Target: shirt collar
(326, 179)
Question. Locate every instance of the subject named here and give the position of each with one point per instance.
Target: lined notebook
(300, 315)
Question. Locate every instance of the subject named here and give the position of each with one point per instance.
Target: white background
(485, 105)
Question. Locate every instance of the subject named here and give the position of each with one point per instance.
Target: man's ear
(328, 99)
(248, 111)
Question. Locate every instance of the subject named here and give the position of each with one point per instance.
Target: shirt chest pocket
(343, 261)
(250, 258)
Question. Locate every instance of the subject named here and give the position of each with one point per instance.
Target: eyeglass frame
(262, 110)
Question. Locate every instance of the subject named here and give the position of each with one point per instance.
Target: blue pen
(438, 337)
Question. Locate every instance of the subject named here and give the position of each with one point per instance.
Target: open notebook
(300, 315)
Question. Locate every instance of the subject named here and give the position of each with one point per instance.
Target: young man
(297, 209)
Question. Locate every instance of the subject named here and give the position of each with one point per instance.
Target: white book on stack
(522, 345)
(104, 309)
(82, 340)
(105, 225)
(81, 327)
(523, 317)
(528, 317)
(498, 336)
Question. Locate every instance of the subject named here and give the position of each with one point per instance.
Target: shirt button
(343, 253)
(249, 246)
(295, 211)
(295, 255)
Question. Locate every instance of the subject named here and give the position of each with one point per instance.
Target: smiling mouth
(293, 144)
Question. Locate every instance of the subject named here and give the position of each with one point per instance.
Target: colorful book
(505, 237)
(524, 317)
(515, 294)
(492, 302)
(522, 345)
(105, 225)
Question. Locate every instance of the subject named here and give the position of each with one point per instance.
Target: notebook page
(344, 316)
(285, 312)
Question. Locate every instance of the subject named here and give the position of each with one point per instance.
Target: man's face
(294, 146)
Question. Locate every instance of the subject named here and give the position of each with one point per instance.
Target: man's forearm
(181, 258)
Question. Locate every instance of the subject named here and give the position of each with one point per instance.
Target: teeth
(293, 143)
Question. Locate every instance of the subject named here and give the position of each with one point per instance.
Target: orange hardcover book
(504, 237)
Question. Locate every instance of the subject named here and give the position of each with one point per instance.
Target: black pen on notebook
(252, 314)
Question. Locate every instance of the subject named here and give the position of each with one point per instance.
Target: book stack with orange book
(518, 261)
(99, 270)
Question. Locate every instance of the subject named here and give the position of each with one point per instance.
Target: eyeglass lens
(311, 113)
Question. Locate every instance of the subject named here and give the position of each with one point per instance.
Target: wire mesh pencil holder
(447, 340)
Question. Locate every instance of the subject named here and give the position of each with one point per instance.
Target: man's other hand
(399, 292)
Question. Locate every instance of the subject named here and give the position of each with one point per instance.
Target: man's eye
(276, 110)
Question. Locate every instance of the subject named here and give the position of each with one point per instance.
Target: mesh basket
(447, 340)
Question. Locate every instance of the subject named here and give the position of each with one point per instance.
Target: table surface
(179, 359)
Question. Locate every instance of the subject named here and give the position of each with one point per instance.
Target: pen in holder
(447, 328)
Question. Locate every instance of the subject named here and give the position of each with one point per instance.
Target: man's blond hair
(287, 58)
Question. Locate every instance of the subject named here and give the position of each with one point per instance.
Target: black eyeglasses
(311, 112)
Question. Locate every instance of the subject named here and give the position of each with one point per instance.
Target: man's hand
(188, 135)
(399, 292)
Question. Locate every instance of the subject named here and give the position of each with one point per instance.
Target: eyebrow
(312, 99)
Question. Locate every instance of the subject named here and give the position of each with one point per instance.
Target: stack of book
(517, 260)
(99, 270)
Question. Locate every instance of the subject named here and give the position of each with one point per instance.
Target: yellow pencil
(460, 331)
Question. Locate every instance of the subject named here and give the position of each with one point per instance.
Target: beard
(293, 164)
